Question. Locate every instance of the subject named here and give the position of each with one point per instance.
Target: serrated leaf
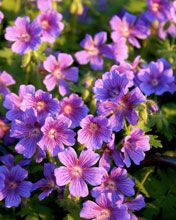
(154, 142)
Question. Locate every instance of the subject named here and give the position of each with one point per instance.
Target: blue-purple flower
(60, 71)
(155, 78)
(94, 131)
(121, 109)
(94, 50)
(128, 27)
(28, 131)
(56, 134)
(108, 152)
(117, 183)
(135, 205)
(13, 185)
(73, 108)
(77, 171)
(50, 22)
(158, 9)
(48, 183)
(111, 86)
(134, 146)
(25, 35)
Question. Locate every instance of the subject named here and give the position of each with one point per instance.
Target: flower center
(113, 92)
(104, 215)
(93, 126)
(40, 105)
(52, 133)
(111, 184)
(57, 72)
(93, 51)
(45, 24)
(12, 185)
(125, 31)
(67, 109)
(155, 82)
(77, 171)
(155, 7)
(25, 37)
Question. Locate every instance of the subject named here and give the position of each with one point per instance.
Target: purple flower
(25, 36)
(77, 171)
(9, 161)
(119, 50)
(130, 28)
(42, 103)
(109, 151)
(135, 205)
(124, 69)
(117, 183)
(104, 209)
(56, 134)
(51, 24)
(94, 131)
(60, 72)
(5, 81)
(123, 108)
(13, 102)
(111, 86)
(158, 9)
(44, 5)
(48, 183)
(73, 108)
(134, 146)
(28, 131)
(155, 78)
(94, 50)
(1, 17)
(14, 185)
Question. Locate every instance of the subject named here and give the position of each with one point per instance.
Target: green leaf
(154, 142)
(31, 217)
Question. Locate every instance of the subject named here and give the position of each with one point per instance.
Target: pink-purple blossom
(94, 131)
(128, 27)
(116, 112)
(56, 134)
(104, 209)
(73, 108)
(60, 72)
(134, 146)
(116, 183)
(25, 35)
(6, 80)
(51, 24)
(77, 171)
(94, 51)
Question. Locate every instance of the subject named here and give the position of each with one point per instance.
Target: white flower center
(45, 24)
(155, 7)
(77, 171)
(67, 109)
(25, 37)
(40, 105)
(52, 133)
(104, 215)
